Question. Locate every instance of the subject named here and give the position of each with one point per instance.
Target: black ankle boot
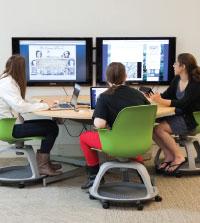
(92, 172)
(89, 182)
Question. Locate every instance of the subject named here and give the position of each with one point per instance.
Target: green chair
(192, 148)
(17, 174)
(130, 136)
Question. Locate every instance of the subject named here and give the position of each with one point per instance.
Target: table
(84, 112)
(81, 114)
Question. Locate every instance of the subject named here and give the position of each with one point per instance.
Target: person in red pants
(109, 104)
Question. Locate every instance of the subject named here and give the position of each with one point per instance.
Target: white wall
(92, 18)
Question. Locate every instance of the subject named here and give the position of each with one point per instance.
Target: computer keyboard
(64, 105)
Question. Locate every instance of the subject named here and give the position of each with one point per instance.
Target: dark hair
(116, 75)
(66, 52)
(38, 51)
(15, 67)
(191, 66)
(32, 62)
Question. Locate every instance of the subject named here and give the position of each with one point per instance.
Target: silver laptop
(73, 102)
(94, 94)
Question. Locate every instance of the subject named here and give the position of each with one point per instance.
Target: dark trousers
(39, 127)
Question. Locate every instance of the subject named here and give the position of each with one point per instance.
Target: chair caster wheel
(178, 175)
(158, 198)
(91, 197)
(105, 204)
(21, 185)
(140, 207)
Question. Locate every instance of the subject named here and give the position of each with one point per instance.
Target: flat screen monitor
(148, 60)
(55, 61)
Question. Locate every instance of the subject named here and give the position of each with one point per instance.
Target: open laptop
(94, 94)
(73, 102)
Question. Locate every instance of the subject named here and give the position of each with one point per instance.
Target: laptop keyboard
(61, 106)
(65, 105)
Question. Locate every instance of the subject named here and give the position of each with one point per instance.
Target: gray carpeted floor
(65, 202)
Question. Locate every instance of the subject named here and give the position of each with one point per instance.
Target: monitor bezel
(89, 47)
(172, 57)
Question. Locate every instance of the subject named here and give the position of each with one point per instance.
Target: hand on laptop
(51, 103)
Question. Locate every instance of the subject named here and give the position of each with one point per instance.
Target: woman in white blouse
(12, 104)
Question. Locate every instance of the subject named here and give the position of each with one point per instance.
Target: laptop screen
(94, 94)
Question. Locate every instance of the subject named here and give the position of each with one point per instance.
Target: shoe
(92, 172)
(162, 169)
(174, 172)
(89, 182)
(43, 165)
(55, 166)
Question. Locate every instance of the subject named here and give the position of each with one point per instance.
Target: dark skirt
(177, 124)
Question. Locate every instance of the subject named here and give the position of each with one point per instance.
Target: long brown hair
(15, 67)
(191, 66)
(116, 75)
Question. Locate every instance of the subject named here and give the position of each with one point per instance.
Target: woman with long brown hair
(183, 94)
(109, 104)
(13, 104)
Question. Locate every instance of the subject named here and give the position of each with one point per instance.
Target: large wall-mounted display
(148, 60)
(55, 61)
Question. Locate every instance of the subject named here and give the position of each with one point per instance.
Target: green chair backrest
(197, 119)
(131, 134)
(6, 129)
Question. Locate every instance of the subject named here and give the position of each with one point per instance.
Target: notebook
(94, 94)
(73, 102)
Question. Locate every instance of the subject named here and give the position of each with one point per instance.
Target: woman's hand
(51, 103)
(155, 97)
(159, 100)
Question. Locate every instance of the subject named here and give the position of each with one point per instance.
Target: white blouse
(11, 102)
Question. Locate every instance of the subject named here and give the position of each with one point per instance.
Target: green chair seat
(197, 119)
(190, 143)
(6, 129)
(130, 136)
(18, 173)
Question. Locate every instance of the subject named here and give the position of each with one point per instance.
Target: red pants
(90, 139)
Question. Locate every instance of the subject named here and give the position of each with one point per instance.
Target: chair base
(17, 174)
(20, 173)
(192, 148)
(124, 191)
